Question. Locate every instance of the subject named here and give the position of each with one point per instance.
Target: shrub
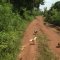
(12, 27)
(53, 17)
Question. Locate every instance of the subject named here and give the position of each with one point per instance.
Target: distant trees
(18, 4)
(12, 27)
(53, 15)
(21, 5)
(28, 4)
(56, 6)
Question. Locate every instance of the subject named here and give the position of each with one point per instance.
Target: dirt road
(30, 51)
(53, 37)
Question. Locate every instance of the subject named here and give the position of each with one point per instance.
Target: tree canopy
(56, 6)
(28, 4)
(53, 15)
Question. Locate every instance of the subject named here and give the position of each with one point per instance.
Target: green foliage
(36, 12)
(55, 18)
(19, 5)
(43, 49)
(45, 12)
(12, 27)
(56, 6)
(53, 15)
(27, 15)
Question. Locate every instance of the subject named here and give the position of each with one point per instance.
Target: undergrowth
(44, 53)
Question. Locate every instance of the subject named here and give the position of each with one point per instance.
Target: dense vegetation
(13, 24)
(44, 50)
(53, 15)
(29, 5)
(11, 30)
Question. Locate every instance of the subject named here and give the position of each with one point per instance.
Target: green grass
(44, 53)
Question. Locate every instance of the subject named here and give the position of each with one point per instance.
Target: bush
(36, 12)
(8, 20)
(8, 45)
(12, 27)
(53, 17)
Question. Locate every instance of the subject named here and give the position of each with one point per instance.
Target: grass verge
(44, 53)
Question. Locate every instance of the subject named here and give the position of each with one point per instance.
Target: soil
(29, 52)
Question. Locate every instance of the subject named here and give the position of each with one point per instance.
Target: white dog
(32, 41)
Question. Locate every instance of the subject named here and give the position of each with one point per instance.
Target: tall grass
(44, 53)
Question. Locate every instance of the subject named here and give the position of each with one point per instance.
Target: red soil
(30, 51)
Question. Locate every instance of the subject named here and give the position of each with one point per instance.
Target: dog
(35, 32)
(32, 41)
(58, 45)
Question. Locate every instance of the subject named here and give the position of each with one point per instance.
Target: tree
(56, 6)
(28, 4)
(53, 15)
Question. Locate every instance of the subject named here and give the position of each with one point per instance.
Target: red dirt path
(30, 51)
